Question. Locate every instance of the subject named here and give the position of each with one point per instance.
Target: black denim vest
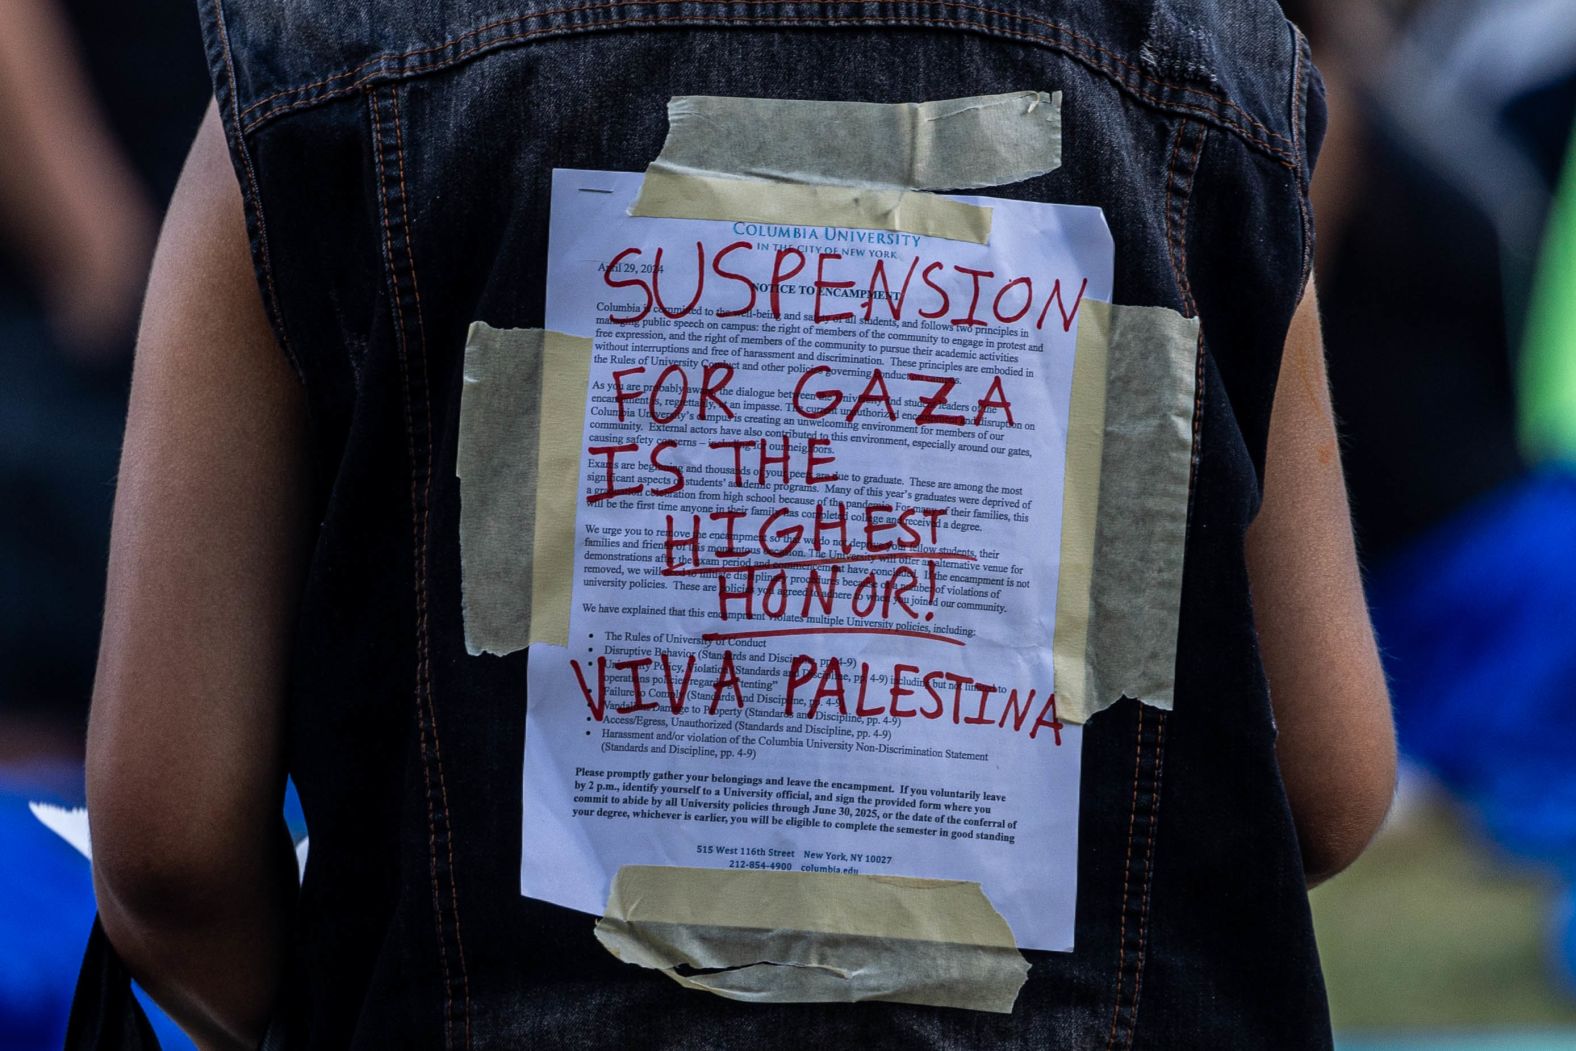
(395, 160)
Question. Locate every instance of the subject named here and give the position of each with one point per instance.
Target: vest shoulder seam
(963, 15)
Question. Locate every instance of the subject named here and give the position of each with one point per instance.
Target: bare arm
(1337, 741)
(69, 202)
(192, 864)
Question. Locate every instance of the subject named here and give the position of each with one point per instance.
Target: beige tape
(566, 370)
(950, 144)
(1124, 525)
(670, 195)
(496, 465)
(797, 937)
(852, 164)
(521, 413)
(1080, 510)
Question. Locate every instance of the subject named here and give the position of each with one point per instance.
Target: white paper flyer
(816, 554)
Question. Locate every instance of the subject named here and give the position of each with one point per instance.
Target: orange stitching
(253, 193)
(1160, 737)
(1277, 152)
(1149, 869)
(425, 665)
(1198, 357)
(1127, 872)
(1176, 237)
(1198, 415)
(378, 60)
(1298, 119)
(582, 8)
(410, 448)
(1301, 96)
(1186, 286)
(797, 19)
(1171, 244)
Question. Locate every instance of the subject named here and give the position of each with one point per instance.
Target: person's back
(397, 169)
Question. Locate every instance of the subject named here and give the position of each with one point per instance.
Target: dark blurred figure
(1450, 125)
(98, 100)
(1412, 286)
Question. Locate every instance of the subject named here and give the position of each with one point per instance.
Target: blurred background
(1446, 212)
(98, 102)
(1446, 209)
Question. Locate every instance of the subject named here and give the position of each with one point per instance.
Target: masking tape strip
(1124, 527)
(496, 465)
(850, 164)
(949, 144)
(1080, 510)
(670, 195)
(815, 937)
(521, 414)
(566, 374)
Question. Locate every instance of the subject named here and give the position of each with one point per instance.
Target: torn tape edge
(694, 924)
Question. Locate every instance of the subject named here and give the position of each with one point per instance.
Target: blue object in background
(1564, 938)
(46, 910)
(1477, 626)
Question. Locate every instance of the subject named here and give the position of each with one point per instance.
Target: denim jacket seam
(1176, 207)
(1152, 833)
(1189, 306)
(1299, 117)
(1137, 82)
(1145, 796)
(1127, 876)
(607, 4)
(1124, 1023)
(426, 544)
(420, 503)
(251, 193)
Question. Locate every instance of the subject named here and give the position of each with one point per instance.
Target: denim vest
(395, 161)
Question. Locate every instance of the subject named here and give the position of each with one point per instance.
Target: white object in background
(71, 825)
